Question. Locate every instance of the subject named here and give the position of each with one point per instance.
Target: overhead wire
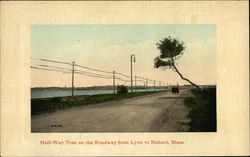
(97, 75)
(93, 73)
(151, 80)
(93, 69)
(140, 80)
(52, 67)
(140, 77)
(122, 74)
(53, 61)
(55, 70)
(123, 80)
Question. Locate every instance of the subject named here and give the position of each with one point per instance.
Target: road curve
(161, 112)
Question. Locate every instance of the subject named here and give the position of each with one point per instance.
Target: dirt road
(164, 112)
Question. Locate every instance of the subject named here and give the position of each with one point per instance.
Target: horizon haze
(108, 48)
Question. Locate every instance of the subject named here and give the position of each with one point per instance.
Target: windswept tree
(171, 49)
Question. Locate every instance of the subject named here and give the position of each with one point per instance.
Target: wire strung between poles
(55, 70)
(53, 61)
(53, 67)
(123, 74)
(93, 73)
(93, 69)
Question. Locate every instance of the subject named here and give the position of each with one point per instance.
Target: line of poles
(111, 75)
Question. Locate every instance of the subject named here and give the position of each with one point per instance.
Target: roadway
(161, 112)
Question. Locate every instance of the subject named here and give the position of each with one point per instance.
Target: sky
(109, 47)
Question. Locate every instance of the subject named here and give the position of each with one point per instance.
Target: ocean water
(50, 93)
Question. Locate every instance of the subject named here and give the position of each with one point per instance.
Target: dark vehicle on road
(175, 90)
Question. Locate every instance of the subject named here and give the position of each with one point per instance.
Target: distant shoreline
(87, 88)
(109, 87)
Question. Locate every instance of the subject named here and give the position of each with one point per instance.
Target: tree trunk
(193, 84)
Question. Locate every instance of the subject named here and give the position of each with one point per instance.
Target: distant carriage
(175, 90)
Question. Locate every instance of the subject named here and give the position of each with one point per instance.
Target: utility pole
(154, 85)
(131, 59)
(114, 81)
(146, 83)
(73, 72)
(135, 83)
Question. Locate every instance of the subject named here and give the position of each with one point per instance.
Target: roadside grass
(45, 105)
(203, 110)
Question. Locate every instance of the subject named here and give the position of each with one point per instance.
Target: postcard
(124, 78)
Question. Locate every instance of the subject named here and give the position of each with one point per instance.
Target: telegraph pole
(146, 83)
(131, 88)
(114, 81)
(135, 83)
(73, 72)
(131, 59)
(154, 85)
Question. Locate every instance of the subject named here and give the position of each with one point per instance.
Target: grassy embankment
(46, 105)
(203, 110)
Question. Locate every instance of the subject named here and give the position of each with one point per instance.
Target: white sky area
(108, 48)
